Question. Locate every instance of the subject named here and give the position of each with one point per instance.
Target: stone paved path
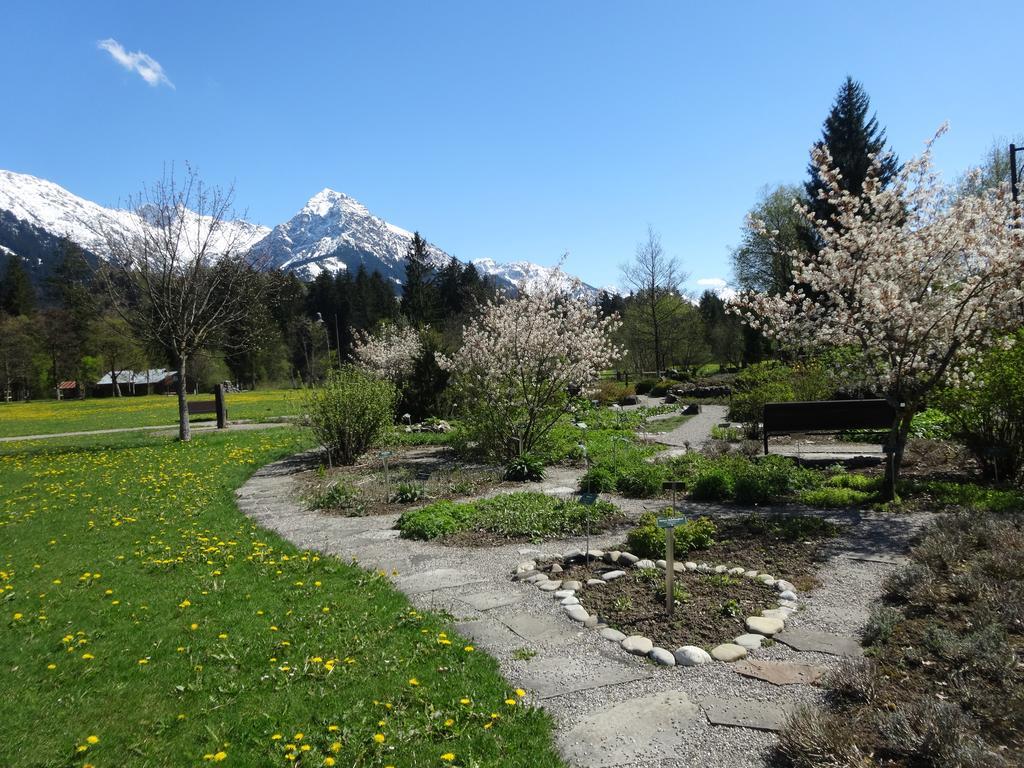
(695, 431)
(610, 708)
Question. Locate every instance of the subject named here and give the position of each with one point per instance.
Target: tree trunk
(897, 443)
(184, 429)
(115, 389)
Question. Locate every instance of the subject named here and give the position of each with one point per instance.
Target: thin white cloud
(144, 65)
(712, 282)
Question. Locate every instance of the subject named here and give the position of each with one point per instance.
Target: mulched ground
(710, 609)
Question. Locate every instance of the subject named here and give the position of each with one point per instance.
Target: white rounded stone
(691, 656)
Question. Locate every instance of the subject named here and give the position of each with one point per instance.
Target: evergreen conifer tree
(17, 296)
(852, 138)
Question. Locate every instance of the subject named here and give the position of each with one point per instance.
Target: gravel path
(694, 432)
(610, 708)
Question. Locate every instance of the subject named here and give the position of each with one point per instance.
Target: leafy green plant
(350, 412)
(728, 434)
(523, 654)
(648, 540)
(644, 386)
(525, 468)
(836, 498)
(712, 484)
(339, 496)
(623, 603)
(730, 607)
(641, 480)
(534, 515)
(407, 493)
(661, 387)
(598, 480)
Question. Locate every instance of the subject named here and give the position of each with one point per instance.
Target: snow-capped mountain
(41, 205)
(331, 232)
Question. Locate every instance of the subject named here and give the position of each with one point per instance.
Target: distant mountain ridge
(331, 232)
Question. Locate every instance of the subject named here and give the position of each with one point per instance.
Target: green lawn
(44, 417)
(146, 622)
(664, 425)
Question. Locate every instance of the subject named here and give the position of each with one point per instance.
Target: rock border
(567, 593)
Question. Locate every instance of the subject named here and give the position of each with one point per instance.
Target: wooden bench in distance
(211, 406)
(826, 416)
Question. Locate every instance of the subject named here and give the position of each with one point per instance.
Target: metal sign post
(387, 478)
(673, 485)
(669, 524)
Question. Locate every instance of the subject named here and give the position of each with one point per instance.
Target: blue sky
(504, 130)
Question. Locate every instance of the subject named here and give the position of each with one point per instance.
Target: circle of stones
(567, 593)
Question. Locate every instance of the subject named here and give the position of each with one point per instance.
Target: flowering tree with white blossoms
(916, 279)
(390, 353)
(521, 359)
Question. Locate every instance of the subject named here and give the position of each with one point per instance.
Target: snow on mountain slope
(331, 232)
(55, 210)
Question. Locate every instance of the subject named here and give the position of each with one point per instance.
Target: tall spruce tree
(852, 138)
(17, 296)
(418, 291)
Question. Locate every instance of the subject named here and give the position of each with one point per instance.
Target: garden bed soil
(712, 608)
(435, 468)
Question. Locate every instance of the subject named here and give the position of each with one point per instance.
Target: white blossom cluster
(916, 279)
(390, 353)
(523, 354)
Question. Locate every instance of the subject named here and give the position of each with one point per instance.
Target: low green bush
(407, 493)
(644, 386)
(641, 480)
(836, 498)
(525, 468)
(350, 412)
(533, 515)
(661, 387)
(712, 484)
(338, 496)
(648, 540)
(598, 480)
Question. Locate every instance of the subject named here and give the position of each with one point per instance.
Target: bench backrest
(827, 416)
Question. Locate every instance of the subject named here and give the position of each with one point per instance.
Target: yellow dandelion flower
(520, 692)
(448, 757)
(469, 649)
(413, 681)
(510, 702)
(92, 739)
(328, 761)
(336, 746)
(464, 700)
(379, 738)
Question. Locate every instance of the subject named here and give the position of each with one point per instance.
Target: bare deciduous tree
(654, 279)
(177, 272)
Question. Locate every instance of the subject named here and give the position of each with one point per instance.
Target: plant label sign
(671, 522)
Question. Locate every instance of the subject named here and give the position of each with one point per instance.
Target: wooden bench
(211, 406)
(826, 416)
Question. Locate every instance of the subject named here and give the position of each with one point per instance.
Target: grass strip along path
(146, 622)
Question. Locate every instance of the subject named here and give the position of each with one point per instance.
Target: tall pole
(1014, 178)
(337, 338)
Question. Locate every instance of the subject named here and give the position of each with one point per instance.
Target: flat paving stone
(822, 642)
(742, 713)
(779, 672)
(438, 578)
(487, 633)
(652, 726)
(539, 630)
(486, 601)
(551, 676)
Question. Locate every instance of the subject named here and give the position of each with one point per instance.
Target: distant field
(46, 417)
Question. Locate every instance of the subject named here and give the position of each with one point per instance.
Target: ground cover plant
(508, 516)
(147, 622)
(943, 683)
(45, 417)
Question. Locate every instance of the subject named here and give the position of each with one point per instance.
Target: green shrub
(728, 434)
(339, 496)
(608, 391)
(525, 468)
(535, 515)
(441, 518)
(881, 623)
(407, 493)
(640, 481)
(712, 484)
(757, 384)
(661, 387)
(752, 486)
(598, 480)
(855, 482)
(350, 412)
(644, 386)
(695, 534)
(836, 498)
(647, 539)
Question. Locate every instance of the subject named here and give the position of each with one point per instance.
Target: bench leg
(765, 443)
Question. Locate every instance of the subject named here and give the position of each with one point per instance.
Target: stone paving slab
(486, 601)
(779, 672)
(878, 558)
(553, 676)
(487, 634)
(822, 642)
(541, 630)
(438, 578)
(649, 728)
(743, 713)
